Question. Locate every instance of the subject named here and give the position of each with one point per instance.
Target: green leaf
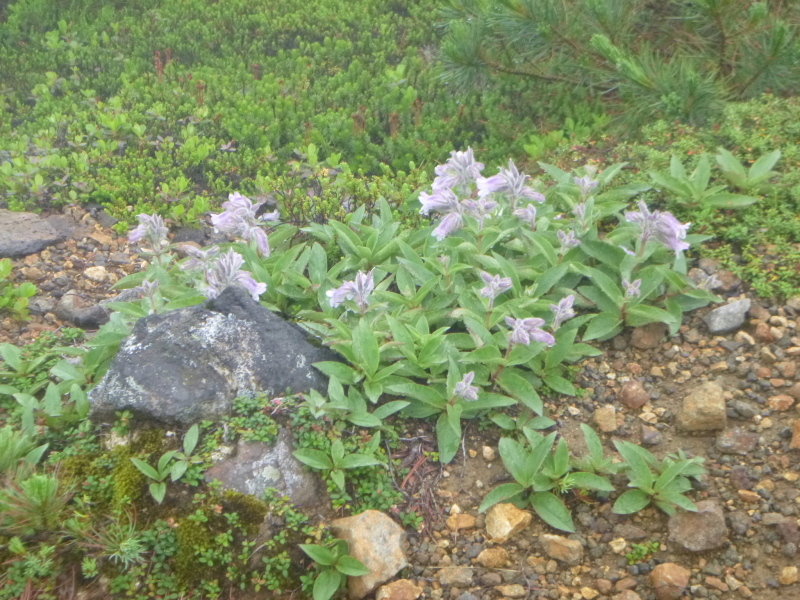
(553, 511)
(641, 470)
(145, 468)
(351, 566)
(342, 372)
(178, 469)
(502, 493)
(337, 453)
(521, 389)
(447, 439)
(593, 442)
(516, 461)
(51, 403)
(313, 458)
(728, 200)
(319, 554)
(642, 314)
(591, 481)
(163, 462)
(630, 502)
(353, 461)
(327, 584)
(190, 440)
(11, 355)
(365, 347)
(337, 475)
(389, 408)
(761, 169)
(559, 384)
(158, 491)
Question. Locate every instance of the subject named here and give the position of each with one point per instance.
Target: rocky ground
(727, 396)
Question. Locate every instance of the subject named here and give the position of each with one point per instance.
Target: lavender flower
(358, 290)
(662, 226)
(480, 209)
(586, 184)
(495, 285)
(525, 331)
(199, 260)
(563, 310)
(151, 227)
(460, 169)
(226, 271)
(527, 214)
(632, 288)
(464, 388)
(568, 240)
(451, 223)
(241, 219)
(440, 201)
(508, 181)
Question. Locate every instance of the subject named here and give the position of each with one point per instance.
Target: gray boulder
(258, 466)
(188, 365)
(24, 233)
(728, 317)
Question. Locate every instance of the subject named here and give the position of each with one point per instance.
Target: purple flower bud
(199, 260)
(568, 240)
(525, 331)
(464, 388)
(586, 184)
(148, 288)
(563, 310)
(670, 232)
(495, 285)
(460, 169)
(527, 214)
(240, 219)
(151, 227)
(662, 226)
(508, 181)
(632, 289)
(450, 223)
(480, 209)
(440, 201)
(358, 290)
(226, 272)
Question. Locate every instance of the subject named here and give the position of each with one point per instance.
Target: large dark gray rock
(24, 233)
(258, 466)
(188, 365)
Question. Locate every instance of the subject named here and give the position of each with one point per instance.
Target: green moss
(192, 536)
(77, 467)
(250, 509)
(129, 482)
(149, 441)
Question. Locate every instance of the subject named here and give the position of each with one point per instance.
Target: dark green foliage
(679, 60)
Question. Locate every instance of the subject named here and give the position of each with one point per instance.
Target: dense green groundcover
(335, 113)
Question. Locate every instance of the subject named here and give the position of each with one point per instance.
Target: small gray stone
(701, 530)
(740, 522)
(728, 317)
(736, 441)
(80, 311)
(257, 467)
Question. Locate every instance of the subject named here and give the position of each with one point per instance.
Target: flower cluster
(661, 226)
(457, 176)
(525, 331)
(357, 290)
(226, 271)
(151, 228)
(241, 218)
